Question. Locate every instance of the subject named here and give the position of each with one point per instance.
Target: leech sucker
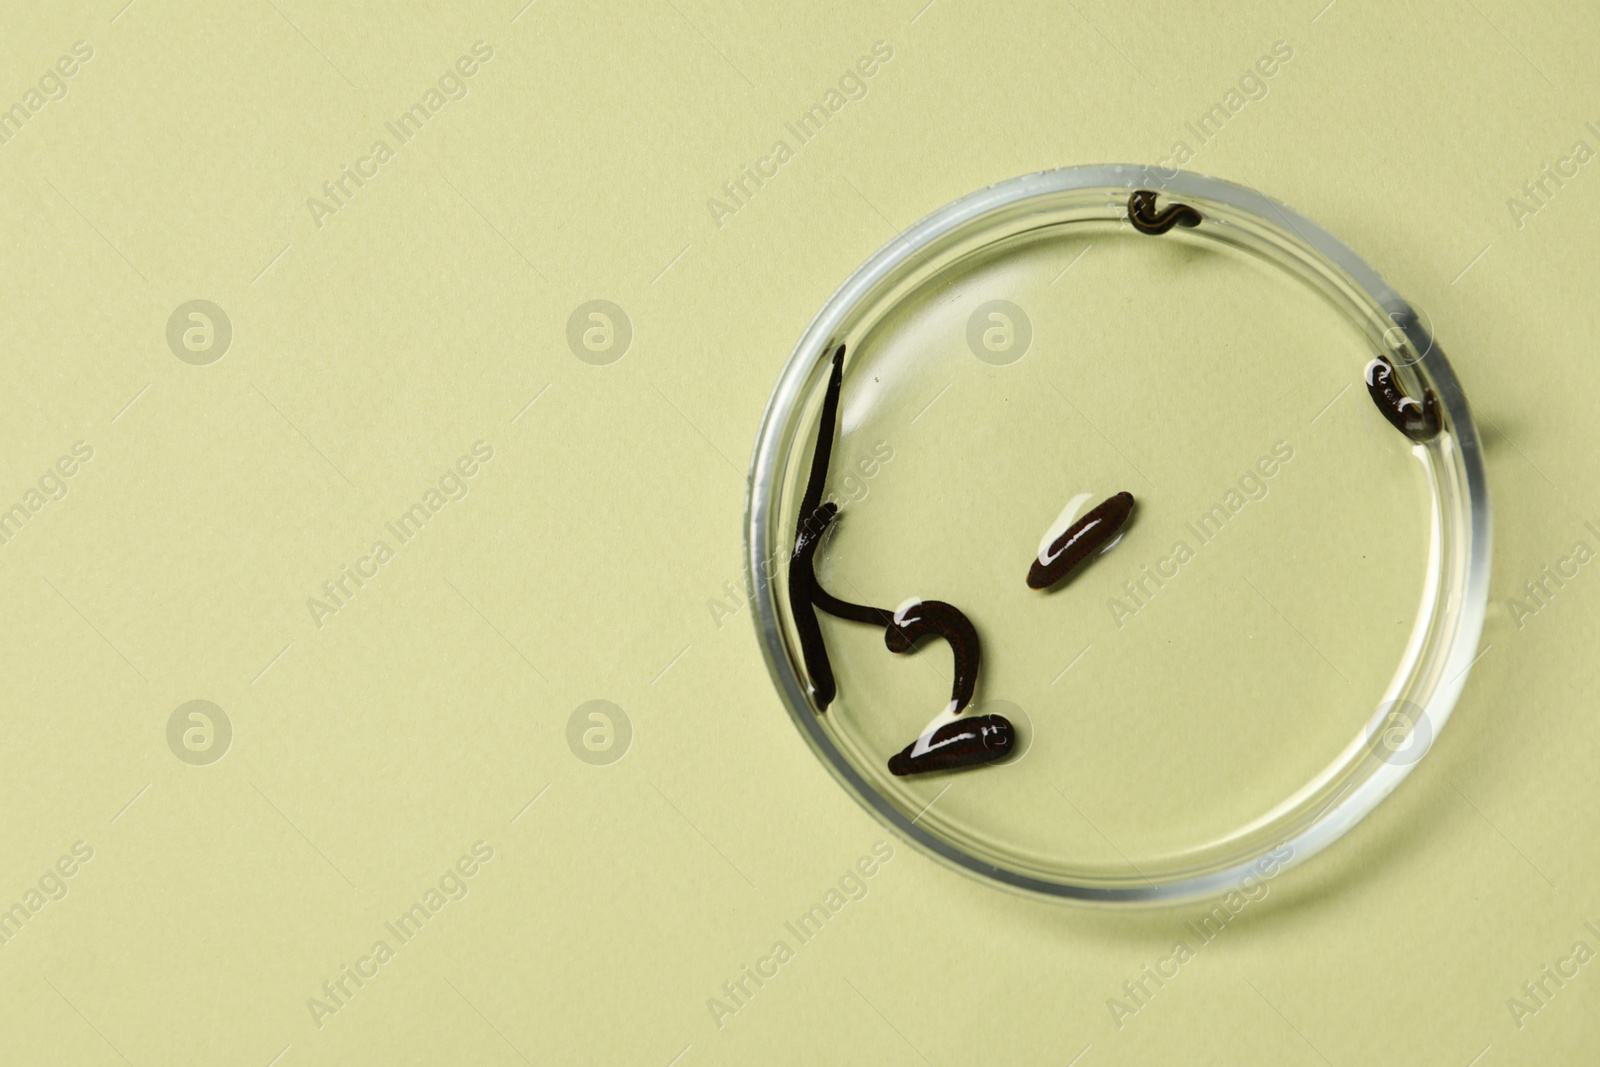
(1417, 419)
(922, 618)
(1142, 213)
(963, 743)
(1080, 541)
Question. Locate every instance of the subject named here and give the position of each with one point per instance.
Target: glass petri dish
(1274, 639)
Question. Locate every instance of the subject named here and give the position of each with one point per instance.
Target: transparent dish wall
(1252, 700)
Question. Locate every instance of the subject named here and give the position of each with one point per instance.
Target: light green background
(372, 351)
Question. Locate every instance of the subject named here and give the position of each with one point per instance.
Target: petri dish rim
(1444, 642)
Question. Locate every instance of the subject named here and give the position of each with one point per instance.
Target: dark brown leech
(963, 743)
(802, 579)
(1417, 419)
(824, 447)
(1080, 541)
(1142, 213)
(935, 618)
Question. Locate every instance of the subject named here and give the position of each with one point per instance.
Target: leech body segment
(1081, 540)
(1142, 213)
(1417, 419)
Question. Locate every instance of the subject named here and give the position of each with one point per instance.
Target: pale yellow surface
(373, 346)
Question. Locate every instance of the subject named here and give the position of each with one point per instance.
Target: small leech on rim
(1417, 419)
(1142, 213)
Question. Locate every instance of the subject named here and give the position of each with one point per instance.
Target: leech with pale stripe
(945, 743)
(1098, 530)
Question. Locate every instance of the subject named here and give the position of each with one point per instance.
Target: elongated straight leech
(1142, 213)
(802, 578)
(1080, 541)
(825, 428)
(1417, 419)
(806, 594)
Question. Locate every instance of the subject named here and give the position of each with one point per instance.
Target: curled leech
(1417, 419)
(917, 619)
(1142, 213)
(948, 743)
(1081, 540)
